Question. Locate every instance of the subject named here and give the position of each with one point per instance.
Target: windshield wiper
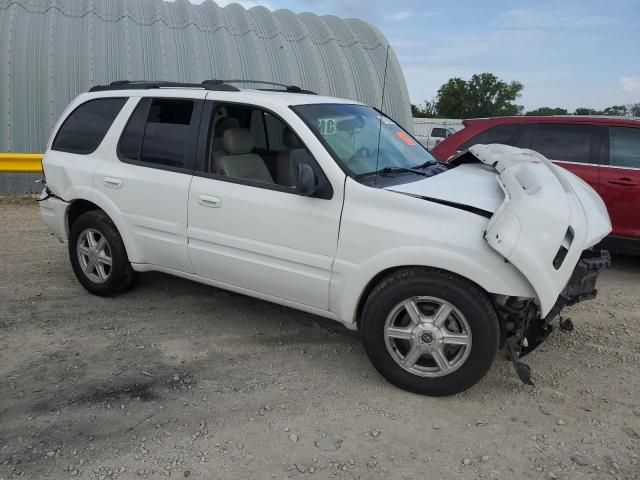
(387, 170)
(426, 164)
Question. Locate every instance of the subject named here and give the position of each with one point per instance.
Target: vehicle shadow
(624, 262)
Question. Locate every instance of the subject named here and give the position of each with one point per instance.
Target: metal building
(52, 50)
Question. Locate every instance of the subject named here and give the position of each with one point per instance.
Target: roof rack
(146, 84)
(287, 88)
(217, 85)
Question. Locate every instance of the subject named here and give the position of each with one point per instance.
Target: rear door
(574, 147)
(149, 181)
(620, 180)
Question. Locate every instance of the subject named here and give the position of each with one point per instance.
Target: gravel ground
(183, 380)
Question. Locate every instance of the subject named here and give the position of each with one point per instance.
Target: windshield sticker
(327, 126)
(405, 138)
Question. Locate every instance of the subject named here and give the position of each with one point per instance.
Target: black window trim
(209, 107)
(66, 119)
(192, 138)
(266, 131)
(596, 154)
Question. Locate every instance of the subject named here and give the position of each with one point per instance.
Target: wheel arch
(84, 199)
(76, 208)
(380, 276)
(375, 281)
(352, 283)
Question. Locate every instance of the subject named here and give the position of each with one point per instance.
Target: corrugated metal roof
(52, 50)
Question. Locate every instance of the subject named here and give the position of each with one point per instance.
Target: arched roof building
(52, 50)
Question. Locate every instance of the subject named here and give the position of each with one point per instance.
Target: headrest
(225, 124)
(290, 140)
(237, 141)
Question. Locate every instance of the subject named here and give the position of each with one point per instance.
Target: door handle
(624, 181)
(112, 182)
(209, 201)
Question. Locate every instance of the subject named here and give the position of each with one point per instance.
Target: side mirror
(306, 180)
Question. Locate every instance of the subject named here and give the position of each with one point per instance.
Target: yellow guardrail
(20, 162)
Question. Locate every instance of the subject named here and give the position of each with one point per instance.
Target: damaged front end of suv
(524, 329)
(542, 203)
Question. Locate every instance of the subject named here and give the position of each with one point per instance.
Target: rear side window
(570, 143)
(624, 145)
(497, 134)
(83, 130)
(158, 132)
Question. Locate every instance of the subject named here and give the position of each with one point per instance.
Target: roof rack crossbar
(146, 84)
(217, 85)
(288, 88)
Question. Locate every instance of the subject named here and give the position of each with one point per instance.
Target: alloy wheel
(427, 336)
(94, 255)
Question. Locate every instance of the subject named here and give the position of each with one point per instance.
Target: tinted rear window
(497, 134)
(158, 132)
(83, 130)
(570, 143)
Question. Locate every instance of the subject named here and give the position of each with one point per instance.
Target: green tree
(547, 111)
(587, 111)
(617, 110)
(426, 111)
(484, 95)
(631, 110)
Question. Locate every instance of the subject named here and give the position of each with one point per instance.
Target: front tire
(98, 255)
(429, 331)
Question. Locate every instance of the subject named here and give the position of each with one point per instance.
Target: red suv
(603, 151)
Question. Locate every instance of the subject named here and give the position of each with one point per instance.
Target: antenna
(384, 85)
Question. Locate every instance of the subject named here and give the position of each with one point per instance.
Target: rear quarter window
(496, 134)
(85, 128)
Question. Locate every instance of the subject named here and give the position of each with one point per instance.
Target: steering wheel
(362, 152)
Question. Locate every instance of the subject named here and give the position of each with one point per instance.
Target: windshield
(353, 133)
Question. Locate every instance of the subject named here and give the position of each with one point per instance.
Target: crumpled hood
(473, 181)
(541, 216)
(472, 184)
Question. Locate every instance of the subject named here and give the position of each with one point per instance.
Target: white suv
(330, 207)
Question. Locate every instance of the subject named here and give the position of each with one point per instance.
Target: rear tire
(429, 331)
(98, 255)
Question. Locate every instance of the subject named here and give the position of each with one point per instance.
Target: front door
(248, 227)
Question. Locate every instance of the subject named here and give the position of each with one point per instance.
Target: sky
(568, 54)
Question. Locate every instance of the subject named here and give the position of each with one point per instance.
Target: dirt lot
(184, 380)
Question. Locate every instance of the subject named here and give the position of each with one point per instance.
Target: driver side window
(250, 145)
